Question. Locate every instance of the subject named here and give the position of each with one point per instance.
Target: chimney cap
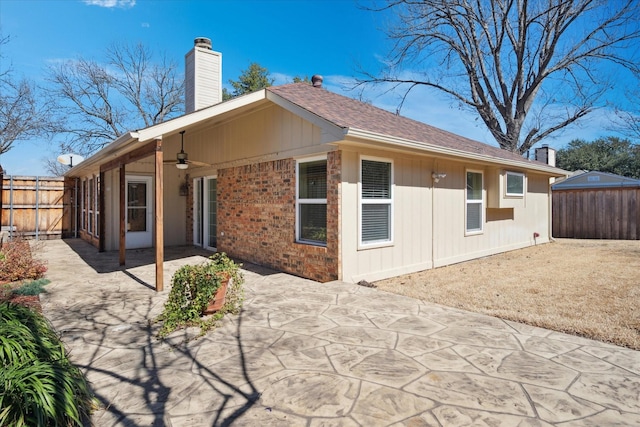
(316, 80)
(203, 42)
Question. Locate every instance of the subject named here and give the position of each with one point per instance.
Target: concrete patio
(303, 353)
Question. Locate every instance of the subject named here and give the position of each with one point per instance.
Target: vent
(202, 42)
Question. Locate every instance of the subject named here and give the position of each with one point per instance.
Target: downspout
(433, 217)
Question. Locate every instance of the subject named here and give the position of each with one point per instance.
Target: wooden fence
(36, 207)
(612, 213)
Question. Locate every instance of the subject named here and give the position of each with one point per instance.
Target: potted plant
(213, 287)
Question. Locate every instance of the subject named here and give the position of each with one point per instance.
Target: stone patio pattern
(303, 353)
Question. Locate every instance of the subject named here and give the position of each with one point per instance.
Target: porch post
(123, 230)
(159, 220)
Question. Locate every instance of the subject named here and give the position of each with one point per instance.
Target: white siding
(429, 226)
(411, 248)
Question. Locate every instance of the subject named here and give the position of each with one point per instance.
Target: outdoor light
(438, 176)
(182, 156)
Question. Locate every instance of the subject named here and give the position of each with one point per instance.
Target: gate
(36, 207)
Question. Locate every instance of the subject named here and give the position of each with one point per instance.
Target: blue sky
(289, 38)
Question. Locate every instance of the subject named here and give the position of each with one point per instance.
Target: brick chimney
(547, 155)
(203, 76)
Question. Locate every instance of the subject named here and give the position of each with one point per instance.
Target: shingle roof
(595, 179)
(349, 113)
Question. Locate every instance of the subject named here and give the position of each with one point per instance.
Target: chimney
(203, 76)
(546, 155)
(316, 80)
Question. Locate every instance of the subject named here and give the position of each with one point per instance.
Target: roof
(595, 179)
(339, 117)
(352, 115)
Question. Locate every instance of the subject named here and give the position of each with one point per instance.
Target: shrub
(38, 384)
(18, 263)
(192, 289)
(32, 287)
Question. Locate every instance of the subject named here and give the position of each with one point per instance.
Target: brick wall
(256, 213)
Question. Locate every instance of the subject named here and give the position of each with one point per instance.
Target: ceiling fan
(182, 159)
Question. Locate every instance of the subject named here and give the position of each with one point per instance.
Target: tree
(630, 116)
(21, 116)
(252, 79)
(99, 102)
(305, 79)
(528, 68)
(610, 154)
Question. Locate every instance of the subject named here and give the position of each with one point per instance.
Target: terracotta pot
(219, 298)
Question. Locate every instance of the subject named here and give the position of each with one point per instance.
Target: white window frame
(506, 183)
(467, 202)
(91, 185)
(83, 204)
(300, 201)
(389, 201)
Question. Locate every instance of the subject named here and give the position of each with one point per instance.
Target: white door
(139, 212)
(205, 227)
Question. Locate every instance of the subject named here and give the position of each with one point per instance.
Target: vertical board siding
(612, 213)
(36, 207)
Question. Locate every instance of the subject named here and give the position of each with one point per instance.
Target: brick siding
(257, 212)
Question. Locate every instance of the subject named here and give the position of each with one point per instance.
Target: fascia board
(445, 151)
(122, 141)
(171, 126)
(330, 131)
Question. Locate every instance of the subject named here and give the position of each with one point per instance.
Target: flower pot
(219, 298)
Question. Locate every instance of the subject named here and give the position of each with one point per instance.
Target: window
(91, 203)
(312, 202)
(376, 201)
(515, 184)
(474, 203)
(97, 206)
(205, 212)
(83, 205)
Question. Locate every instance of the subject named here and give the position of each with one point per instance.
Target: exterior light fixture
(438, 176)
(182, 156)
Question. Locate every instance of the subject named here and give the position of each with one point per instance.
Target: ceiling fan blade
(197, 163)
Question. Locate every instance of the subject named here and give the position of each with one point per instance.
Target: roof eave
(451, 152)
(133, 139)
(95, 160)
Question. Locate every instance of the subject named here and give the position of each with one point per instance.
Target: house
(309, 182)
(596, 205)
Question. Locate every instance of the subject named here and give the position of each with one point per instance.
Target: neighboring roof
(339, 117)
(595, 179)
(356, 118)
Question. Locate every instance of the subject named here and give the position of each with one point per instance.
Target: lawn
(589, 288)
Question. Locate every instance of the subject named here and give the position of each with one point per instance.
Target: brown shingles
(349, 113)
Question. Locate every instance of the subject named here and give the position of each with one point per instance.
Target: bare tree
(629, 117)
(528, 68)
(21, 116)
(100, 102)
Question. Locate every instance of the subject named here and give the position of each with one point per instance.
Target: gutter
(445, 151)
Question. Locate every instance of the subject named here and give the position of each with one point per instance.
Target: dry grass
(589, 288)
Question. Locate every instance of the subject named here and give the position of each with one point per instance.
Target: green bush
(32, 287)
(38, 384)
(192, 289)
